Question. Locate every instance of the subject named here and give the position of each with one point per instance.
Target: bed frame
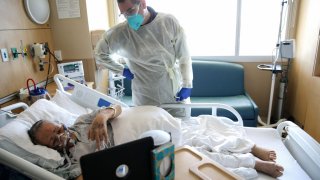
(304, 149)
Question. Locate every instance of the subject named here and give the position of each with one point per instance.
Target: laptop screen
(131, 160)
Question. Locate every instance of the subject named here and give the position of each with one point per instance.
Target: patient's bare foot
(264, 154)
(270, 168)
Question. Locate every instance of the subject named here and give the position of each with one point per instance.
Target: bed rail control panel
(102, 102)
(84, 95)
(93, 101)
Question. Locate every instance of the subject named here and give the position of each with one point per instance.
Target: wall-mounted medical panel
(19, 32)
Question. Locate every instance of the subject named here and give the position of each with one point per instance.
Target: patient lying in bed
(93, 132)
(89, 133)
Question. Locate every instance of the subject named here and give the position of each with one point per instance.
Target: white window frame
(288, 34)
(289, 28)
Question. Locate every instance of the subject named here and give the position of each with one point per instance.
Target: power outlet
(58, 55)
(4, 55)
(15, 53)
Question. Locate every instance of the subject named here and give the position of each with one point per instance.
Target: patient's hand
(98, 128)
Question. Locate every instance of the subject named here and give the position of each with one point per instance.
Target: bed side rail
(213, 106)
(15, 106)
(6, 114)
(84, 95)
(25, 167)
(302, 146)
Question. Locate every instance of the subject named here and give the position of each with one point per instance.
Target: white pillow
(15, 132)
(14, 136)
(133, 121)
(46, 110)
(65, 102)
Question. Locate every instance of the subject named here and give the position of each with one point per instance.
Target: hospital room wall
(15, 26)
(72, 37)
(304, 87)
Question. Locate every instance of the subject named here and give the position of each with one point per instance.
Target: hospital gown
(223, 142)
(83, 145)
(157, 55)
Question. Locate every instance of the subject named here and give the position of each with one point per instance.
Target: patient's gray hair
(33, 130)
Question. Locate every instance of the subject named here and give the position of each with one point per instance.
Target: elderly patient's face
(48, 135)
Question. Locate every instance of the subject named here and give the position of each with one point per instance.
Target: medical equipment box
(287, 48)
(72, 70)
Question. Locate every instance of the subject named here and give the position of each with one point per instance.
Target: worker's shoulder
(168, 21)
(117, 28)
(167, 17)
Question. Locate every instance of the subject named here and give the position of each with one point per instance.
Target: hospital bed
(296, 150)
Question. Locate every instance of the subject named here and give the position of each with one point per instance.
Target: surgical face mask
(133, 17)
(135, 21)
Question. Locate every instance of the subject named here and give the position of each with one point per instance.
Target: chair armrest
(254, 105)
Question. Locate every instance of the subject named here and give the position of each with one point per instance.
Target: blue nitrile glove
(127, 73)
(183, 94)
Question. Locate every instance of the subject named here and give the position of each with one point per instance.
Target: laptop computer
(131, 160)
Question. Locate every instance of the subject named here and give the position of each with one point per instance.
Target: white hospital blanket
(221, 141)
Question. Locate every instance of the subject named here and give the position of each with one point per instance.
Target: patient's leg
(264, 154)
(270, 168)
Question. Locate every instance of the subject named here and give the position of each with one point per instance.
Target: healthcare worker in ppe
(154, 48)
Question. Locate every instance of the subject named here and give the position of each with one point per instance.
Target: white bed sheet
(269, 138)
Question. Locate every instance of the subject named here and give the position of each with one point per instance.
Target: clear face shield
(132, 11)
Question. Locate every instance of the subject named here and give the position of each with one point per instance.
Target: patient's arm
(98, 128)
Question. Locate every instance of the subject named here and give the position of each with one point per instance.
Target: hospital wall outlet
(15, 53)
(4, 55)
